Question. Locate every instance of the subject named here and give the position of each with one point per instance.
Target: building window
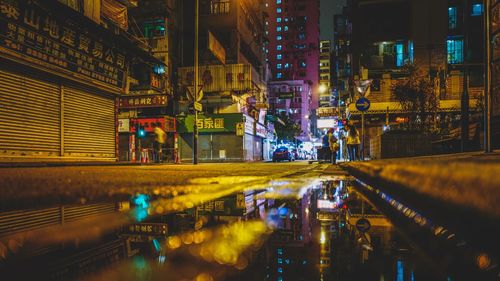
(287, 65)
(278, 66)
(302, 64)
(400, 54)
(279, 56)
(477, 9)
(279, 47)
(279, 37)
(286, 19)
(279, 75)
(278, 19)
(286, 28)
(278, 28)
(452, 17)
(301, 36)
(220, 6)
(455, 50)
(278, 10)
(278, 1)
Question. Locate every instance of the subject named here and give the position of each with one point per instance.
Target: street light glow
(322, 88)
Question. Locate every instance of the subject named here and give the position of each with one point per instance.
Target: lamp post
(195, 94)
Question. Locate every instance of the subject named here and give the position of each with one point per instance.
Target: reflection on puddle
(298, 229)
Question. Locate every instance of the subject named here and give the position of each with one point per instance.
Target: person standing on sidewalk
(353, 142)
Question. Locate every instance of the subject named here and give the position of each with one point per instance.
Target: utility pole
(464, 120)
(195, 94)
(487, 78)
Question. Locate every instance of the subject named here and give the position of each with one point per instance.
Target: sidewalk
(460, 191)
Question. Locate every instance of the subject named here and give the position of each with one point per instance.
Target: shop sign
(123, 125)
(326, 111)
(249, 121)
(260, 130)
(147, 229)
(327, 123)
(220, 78)
(286, 95)
(28, 32)
(143, 101)
(213, 123)
(225, 206)
(216, 48)
(147, 123)
(240, 129)
(249, 204)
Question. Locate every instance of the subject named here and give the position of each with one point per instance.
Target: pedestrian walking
(160, 137)
(353, 142)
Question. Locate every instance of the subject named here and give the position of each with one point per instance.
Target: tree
(417, 96)
(288, 130)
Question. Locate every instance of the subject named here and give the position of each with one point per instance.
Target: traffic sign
(363, 225)
(362, 104)
(197, 106)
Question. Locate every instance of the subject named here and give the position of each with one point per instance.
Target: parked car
(282, 154)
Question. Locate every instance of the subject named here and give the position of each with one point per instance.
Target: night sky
(328, 8)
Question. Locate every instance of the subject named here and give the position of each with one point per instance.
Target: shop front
(137, 136)
(222, 137)
(58, 87)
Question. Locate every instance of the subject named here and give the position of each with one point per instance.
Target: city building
(293, 49)
(325, 91)
(232, 73)
(342, 59)
(292, 98)
(433, 35)
(63, 67)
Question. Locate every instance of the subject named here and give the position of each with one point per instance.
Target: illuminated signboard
(143, 101)
(326, 204)
(30, 33)
(327, 123)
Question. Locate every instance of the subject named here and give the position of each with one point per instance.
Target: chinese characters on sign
(326, 111)
(209, 123)
(143, 101)
(150, 229)
(216, 78)
(27, 30)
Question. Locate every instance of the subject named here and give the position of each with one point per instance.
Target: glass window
(286, 28)
(278, 19)
(279, 37)
(278, 1)
(287, 65)
(279, 47)
(278, 28)
(279, 75)
(452, 17)
(279, 56)
(302, 64)
(455, 51)
(301, 36)
(477, 9)
(278, 10)
(278, 66)
(286, 19)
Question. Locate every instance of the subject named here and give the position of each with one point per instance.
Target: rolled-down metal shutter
(29, 116)
(89, 124)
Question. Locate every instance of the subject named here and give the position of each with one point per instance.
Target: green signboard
(210, 123)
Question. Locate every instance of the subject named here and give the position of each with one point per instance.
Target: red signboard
(143, 101)
(165, 123)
